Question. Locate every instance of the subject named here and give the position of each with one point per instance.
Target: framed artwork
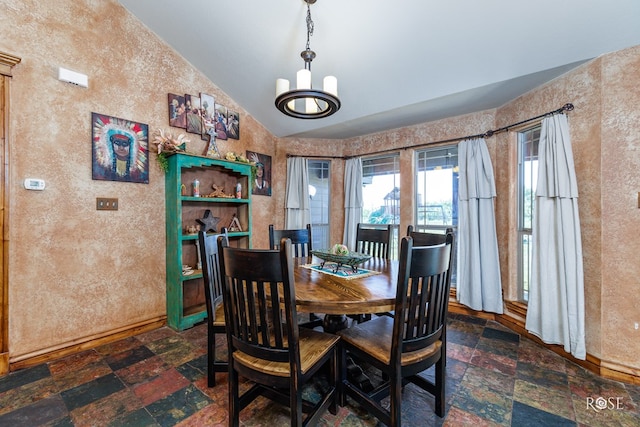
(177, 111)
(194, 114)
(120, 149)
(261, 184)
(208, 114)
(233, 124)
(221, 122)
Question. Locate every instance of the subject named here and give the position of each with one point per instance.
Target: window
(381, 194)
(436, 198)
(527, 179)
(319, 194)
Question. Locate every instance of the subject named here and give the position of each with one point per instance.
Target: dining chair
(212, 279)
(407, 344)
(265, 344)
(373, 241)
(301, 240)
(301, 245)
(427, 239)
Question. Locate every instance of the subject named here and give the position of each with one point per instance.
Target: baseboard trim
(514, 319)
(4, 363)
(82, 344)
(620, 372)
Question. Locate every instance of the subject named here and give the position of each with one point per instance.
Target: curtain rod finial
(568, 107)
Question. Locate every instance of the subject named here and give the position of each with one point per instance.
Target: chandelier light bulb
(330, 85)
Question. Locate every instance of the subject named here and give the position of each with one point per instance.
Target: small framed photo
(120, 149)
(194, 114)
(233, 124)
(208, 103)
(261, 184)
(177, 111)
(221, 122)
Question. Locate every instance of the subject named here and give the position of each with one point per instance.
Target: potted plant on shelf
(166, 144)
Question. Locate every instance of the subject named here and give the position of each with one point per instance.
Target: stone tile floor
(494, 378)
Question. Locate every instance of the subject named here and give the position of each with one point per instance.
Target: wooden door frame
(7, 62)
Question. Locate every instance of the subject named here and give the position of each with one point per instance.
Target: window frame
(321, 232)
(454, 165)
(524, 223)
(393, 250)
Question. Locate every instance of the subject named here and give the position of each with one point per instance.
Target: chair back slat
(212, 277)
(422, 295)
(373, 241)
(260, 302)
(301, 240)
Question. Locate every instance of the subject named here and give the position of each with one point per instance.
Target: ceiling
(398, 63)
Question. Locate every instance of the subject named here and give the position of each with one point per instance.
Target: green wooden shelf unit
(185, 293)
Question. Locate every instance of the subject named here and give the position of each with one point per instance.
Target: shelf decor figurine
(208, 222)
(234, 225)
(192, 229)
(212, 147)
(196, 188)
(218, 192)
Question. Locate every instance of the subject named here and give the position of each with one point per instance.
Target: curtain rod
(487, 134)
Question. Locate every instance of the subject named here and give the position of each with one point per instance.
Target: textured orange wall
(73, 271)
(620, 185)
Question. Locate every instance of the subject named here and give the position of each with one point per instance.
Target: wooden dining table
(336, 297)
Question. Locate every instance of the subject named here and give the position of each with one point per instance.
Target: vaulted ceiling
(398, 63)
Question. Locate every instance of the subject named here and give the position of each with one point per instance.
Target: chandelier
(304, 102)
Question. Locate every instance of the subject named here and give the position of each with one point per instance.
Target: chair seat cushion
(374, 337)
(313, 346)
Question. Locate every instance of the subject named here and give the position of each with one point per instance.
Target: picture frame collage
(200, 114)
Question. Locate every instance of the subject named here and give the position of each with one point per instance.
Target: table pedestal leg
(333, 323)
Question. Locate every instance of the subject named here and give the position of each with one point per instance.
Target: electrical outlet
(636, 326)
(105, 204)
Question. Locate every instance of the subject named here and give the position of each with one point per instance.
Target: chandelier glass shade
(305, 102)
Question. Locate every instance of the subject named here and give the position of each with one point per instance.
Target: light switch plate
(106, 204)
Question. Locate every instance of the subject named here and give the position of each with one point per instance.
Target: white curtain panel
(556, 293)
(352, 201)
(478, 285)
(297, 212)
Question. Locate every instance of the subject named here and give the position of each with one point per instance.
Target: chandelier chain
(309, 25)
